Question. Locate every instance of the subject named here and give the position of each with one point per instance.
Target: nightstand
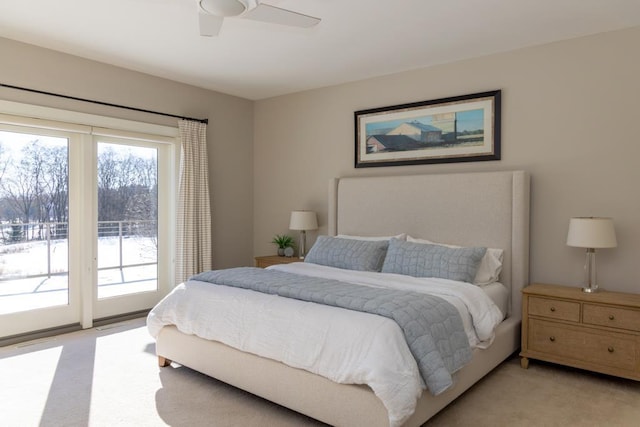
(595, 331)
(266, 261)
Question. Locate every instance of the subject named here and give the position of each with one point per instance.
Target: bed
(489, 209)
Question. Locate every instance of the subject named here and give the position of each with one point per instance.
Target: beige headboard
(488, 209)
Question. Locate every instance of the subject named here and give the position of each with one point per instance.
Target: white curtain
(193, 246)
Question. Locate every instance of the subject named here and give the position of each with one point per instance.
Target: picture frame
(456, 129)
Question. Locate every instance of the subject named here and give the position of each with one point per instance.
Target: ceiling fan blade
(275, 15)
(209, 24)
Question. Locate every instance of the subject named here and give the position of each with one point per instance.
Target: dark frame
(457, 129)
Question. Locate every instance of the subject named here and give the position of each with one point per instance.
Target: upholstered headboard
(469, 209)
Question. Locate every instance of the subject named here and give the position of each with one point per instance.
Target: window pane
(127, 219)
(34, 219)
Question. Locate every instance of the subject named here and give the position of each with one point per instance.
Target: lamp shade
(303, 220)
(591, 232)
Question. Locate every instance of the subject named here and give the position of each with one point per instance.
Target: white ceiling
(356, 39)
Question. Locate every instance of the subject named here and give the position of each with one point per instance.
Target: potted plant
(283, 241)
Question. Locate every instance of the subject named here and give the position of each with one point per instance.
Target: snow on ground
(30, 259)
(19, 292)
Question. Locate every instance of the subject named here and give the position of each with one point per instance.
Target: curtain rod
(205, 121)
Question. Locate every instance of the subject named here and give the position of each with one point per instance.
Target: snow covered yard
(19, 262)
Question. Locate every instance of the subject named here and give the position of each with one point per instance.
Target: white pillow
(490, 264)
(401, 236)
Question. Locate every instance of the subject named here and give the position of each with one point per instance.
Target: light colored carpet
(109, 377)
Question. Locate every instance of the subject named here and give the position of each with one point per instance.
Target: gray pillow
(423, 260)
(350, 254)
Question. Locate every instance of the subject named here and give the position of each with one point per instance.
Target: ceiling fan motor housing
(223, 7)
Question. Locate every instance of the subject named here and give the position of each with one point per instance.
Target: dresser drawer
(554, 309)
(579, 344)
(613, 317)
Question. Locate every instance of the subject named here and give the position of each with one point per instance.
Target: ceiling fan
(211, 14)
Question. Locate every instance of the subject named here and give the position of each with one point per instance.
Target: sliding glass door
(36, 288)
(85, 226)
(130, 190)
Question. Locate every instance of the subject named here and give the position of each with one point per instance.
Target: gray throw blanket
(432, 327)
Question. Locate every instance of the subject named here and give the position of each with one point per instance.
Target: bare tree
(34, 163)
(57, 189)
(36, 186)
(144, 201)
(107, 185)
(20, 193)
(4, 161)
(127, 186)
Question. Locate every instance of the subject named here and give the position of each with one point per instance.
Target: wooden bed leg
(524, 363)
(163, 362)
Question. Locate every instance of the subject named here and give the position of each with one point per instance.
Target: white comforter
(345, 346)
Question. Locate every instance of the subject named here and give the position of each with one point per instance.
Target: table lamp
(591, 233)
(303, 221)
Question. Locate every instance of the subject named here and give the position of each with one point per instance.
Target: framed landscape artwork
(457, 129)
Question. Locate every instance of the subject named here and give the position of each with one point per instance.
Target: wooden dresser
(598, 331)
(266, 261)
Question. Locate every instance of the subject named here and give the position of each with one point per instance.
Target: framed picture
(458, 129)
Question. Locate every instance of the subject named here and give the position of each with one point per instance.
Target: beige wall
(229, 133)
(569, 113)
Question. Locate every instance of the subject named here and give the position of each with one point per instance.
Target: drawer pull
(552, 339)
(611, 317)
(552, 309)
(610, 349)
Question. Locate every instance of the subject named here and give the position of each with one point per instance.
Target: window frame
(83, 130)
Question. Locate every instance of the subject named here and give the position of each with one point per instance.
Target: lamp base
(590, 272)
(303, 244)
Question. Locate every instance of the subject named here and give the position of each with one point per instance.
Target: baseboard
(120, 318)
(38, 335)
(64, 329)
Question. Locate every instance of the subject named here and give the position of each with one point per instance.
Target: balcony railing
(21, 237)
